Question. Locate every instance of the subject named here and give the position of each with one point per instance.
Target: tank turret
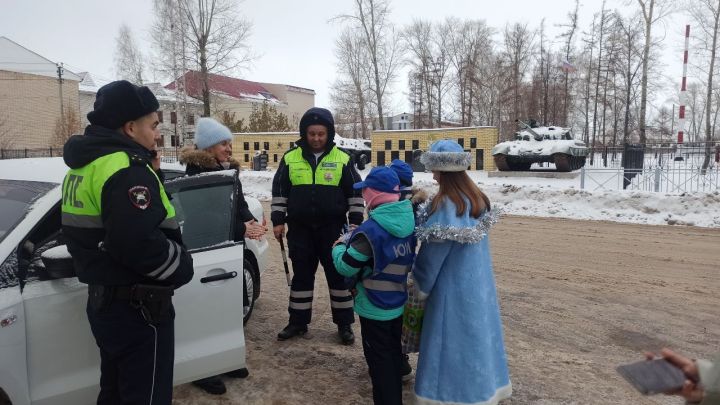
(538, 145)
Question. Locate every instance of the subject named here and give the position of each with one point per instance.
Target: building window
(415, 144)
(173, 117)
(160, 117)
(190, 119)
(266, 145)
(247, 157)
(174, 140)
(275, 157)
(461, 142)
(394, 155)
(473, 142)
(380, 161)
(246, 145)
(401, 144)
(388, 144)
(256, 145)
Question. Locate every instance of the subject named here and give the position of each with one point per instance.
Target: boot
(212, 385)
(291, 331)
(405, 369)
(346, 334)
(239, 373)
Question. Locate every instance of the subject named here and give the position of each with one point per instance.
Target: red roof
(238, 88)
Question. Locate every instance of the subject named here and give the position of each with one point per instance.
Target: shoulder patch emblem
(139, 196)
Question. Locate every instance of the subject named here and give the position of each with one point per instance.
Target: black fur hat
(119, 102)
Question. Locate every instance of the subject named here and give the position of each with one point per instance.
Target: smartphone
(653, 376)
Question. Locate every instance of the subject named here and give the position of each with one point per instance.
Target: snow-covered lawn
(561, 198)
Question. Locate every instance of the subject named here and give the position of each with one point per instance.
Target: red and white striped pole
(683, 88)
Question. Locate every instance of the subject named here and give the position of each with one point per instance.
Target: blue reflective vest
(393, 257)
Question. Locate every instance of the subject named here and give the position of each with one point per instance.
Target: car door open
(209, 336)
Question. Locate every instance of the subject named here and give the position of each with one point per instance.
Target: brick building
(240, 97)
(400, 144)
(247, 145)
(32, 97)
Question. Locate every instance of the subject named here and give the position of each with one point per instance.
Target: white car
(47, 352)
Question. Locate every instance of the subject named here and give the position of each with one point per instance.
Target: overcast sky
(293, 39)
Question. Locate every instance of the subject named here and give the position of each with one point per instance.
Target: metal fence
(667, 179)
(687, 154)
(169, 155)
(29, 153)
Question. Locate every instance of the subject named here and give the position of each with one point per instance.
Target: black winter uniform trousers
(136, 357)
(383, 354)
(309, 245)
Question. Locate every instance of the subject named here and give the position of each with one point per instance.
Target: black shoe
(346, 334)
(291, 331)
(239, 373)
(211, 385)
(405, 369)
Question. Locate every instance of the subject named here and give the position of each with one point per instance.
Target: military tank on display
(535, 144)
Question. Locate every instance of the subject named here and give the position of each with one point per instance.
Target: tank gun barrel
(529, 128)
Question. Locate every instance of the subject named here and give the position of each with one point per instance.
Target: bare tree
(518, 40)
(351, 90)
(66, 126)
(417, 39)
(652, 12)
(7, 138)
(371, 17)
(470, 47)
(213, 38)
(706, 14)
(129, 63)
(569, 36)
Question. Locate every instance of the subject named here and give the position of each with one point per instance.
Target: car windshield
(16, 197)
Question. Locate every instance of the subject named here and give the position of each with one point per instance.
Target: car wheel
(251, 288)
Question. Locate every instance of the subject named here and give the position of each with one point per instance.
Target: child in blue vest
(379, 253)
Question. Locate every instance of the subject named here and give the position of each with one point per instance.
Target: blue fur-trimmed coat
(462, 356)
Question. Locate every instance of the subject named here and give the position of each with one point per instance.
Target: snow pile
(542, 197)
(560, 198)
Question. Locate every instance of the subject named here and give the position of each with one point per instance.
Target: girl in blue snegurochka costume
(381, 252)
(462, 355)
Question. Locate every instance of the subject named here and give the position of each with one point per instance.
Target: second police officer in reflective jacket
(313, 194)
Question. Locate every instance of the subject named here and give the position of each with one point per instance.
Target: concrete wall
(30, 109)
(389, 145)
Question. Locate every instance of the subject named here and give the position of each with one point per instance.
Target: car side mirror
(58, 262)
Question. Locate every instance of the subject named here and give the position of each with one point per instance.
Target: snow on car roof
(50, 170)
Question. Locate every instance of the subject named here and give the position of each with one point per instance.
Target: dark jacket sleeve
(132, 233)
(191, 170)
(280, 193)
(356, 205)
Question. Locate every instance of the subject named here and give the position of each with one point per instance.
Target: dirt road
(577, 297)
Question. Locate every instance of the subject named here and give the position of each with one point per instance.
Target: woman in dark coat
(212, 152)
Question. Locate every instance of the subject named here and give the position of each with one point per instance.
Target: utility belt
(153, 301)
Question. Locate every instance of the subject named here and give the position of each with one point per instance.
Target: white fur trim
(446, 161)
(500, 394)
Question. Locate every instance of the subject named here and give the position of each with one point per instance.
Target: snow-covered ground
(561, 198)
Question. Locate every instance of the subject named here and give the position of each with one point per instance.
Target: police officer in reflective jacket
(126, 245)
(313, 193)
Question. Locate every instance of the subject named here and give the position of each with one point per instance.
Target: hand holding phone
(653, 376)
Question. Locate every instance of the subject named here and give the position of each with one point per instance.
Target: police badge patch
(328, 176)
(139, 197)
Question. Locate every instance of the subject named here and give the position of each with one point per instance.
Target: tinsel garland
(472, 234)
